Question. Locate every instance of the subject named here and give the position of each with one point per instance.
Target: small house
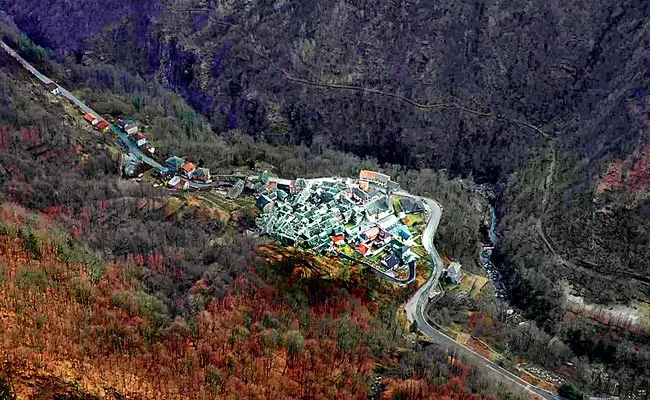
(187, 168)
(403, 233)
(91, 118)
(375, 177)
(370, 235)
(236, 190)
(131, 129)
(359, 194)
(140, 139)
(264, 203)
(175, 183)
(338, 240)
(174, 163)
(411, 206)
(201, 174)
(366, 175)
(102, 126)
(293, 189)
(282, 195)
(453, 272)
(364, 185)
(409, 256)
(53, 88)
(382, 179)
(363, 249)
(390, 261)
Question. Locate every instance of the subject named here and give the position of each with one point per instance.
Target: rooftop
(175, 162)
(188, 167)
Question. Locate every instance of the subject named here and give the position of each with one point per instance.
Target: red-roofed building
(90, 118)
(365, 174)
(140, 139)
(338, 240)
(293, 188)
(363, 249)
(102, 126)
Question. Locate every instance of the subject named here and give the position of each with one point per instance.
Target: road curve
(416, 306)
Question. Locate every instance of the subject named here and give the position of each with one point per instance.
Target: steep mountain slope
(548, 100)
(455, 85)
(114, 289)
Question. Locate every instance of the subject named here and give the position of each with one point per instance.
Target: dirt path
(252, 47)
(548, 181)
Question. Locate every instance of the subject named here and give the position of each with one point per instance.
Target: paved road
(416, 306)
(25, 64)
(421, 297)
(133, 148)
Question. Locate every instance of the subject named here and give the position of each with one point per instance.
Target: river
(490, 242)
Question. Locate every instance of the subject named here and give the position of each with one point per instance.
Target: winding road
(416, 307)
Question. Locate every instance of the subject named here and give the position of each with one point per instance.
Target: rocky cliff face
(450, 84)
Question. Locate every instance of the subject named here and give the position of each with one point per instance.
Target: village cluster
(184, 172)
(354, 219)
(176, 172)
(342, 216)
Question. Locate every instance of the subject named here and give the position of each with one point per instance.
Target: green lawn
(398, 208)
(348, 250)
(377, 257)
(419, 251)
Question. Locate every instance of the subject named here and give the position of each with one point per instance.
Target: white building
(131, 129)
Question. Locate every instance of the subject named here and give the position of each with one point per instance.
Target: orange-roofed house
(90, 118)
(364, 185)
(338, 240)
(367, 175)
(188, 168)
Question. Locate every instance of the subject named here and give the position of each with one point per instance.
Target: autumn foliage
(107, 335)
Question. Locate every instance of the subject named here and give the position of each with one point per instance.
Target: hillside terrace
(353, 218)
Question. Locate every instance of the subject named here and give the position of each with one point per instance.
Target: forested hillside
(114, 289)
(76, 326)
(547, 101)
(455, 85)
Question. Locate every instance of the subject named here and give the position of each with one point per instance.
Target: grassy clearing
(415, 223)
(472, 285)
(419, 251)
(462, 337)
(348, 250)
